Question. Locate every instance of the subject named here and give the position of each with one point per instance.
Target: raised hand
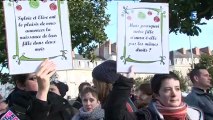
(45, 71)
(131, 73)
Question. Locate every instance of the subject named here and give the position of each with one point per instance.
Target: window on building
(170, 63)
(79, 63)
(176, 61)
(188, 59)
(88, 64)
(182, 61)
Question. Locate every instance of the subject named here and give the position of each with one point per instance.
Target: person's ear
(196, 78)
(99, 102)
(20, 86)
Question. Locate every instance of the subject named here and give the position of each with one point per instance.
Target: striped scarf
(173, 113)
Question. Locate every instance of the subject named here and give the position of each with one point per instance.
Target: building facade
(180, 60)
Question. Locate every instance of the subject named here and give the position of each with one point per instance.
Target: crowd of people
(37, 97)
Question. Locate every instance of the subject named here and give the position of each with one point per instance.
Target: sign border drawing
(127, 58)
(22, 57)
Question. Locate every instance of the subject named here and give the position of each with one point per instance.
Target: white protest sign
(37, 30)
(143, 31)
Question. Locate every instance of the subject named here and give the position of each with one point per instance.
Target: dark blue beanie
(106, 72)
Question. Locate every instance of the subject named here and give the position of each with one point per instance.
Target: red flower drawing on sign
(129, 17)
(156, 19)
(149, 13)
(53, 6)
(18, 7)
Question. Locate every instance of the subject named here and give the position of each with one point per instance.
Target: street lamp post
(192, 57)
(192, 17)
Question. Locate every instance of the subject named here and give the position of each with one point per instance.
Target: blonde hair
(103, 89)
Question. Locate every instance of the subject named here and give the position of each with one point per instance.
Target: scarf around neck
(96, 114)
(173, 113)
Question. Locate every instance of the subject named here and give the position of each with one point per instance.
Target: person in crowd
(32, 99)
(199, 96)
(3, 106)
(133, 95)
(91, 109)
(77, 103)
(167, 103)
(104, 75)
(144, 95)
(59, 88)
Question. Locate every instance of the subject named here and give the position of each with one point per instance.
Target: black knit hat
(63, 88)
(106, 72)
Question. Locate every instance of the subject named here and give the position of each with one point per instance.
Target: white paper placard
(142, 41)
(37, 30)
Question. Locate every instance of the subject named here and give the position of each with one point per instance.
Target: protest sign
(37, 30)
(143, 31)
(9, 115)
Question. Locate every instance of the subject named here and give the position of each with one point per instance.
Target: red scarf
(173, 113)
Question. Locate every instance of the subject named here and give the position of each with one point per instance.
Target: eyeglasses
(32, 78)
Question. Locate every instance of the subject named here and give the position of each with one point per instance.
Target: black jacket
(27, 107)
(77, 103)
(115, 106)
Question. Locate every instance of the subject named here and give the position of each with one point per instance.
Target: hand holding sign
(45, 71)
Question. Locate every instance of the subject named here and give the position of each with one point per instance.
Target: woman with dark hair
(167, 105)
(32, 100)
(104, 76)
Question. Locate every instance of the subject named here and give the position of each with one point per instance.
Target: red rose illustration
(149, 13)
(53, 6)
(156, 19)
(18, 7)
(129, 17)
